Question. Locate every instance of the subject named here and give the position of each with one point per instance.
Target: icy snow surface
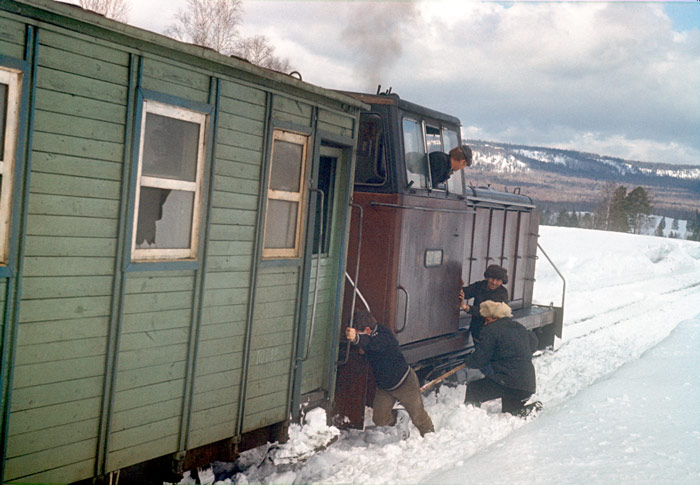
(619, 394)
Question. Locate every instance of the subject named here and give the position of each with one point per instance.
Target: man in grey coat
(506, 346)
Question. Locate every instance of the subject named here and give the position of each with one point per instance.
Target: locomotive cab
(414, 243)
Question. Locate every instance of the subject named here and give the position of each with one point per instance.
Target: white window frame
(298, 197)
(13, 79)
(196, 187)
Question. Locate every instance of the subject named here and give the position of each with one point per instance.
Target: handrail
(357, 275)
(321, 236)
(420, 208)
(359, 293)
(563, 291)
(405, 313)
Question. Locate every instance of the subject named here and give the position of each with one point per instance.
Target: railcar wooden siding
(113, 363)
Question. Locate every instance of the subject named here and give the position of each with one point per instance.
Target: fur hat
(497, 272)
(495, 310)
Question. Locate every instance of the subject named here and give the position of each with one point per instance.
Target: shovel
(444, 376)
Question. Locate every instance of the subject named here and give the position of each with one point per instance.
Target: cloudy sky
(615, 78)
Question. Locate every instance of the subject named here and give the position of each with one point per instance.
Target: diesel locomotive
(414, 243)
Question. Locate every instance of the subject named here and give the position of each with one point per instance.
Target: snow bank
(625, 294)
(637, 426)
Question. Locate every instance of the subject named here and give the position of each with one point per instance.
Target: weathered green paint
(62, 124)
(114, 367)
(292, 111)
(13, 31)
(79, 106)
(50, 163)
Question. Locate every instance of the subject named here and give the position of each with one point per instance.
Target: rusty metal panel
(353, 382)
(379, 257)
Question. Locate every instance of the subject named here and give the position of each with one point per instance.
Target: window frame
(180, 111)
(328, 223)
(424, 179)
(299, 197)
(378, 160)
(14, 79)
(457, 178)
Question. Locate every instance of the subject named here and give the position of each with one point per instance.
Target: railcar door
(328, 214)
(278, 282)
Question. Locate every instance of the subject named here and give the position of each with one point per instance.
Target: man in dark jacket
(490, 288)
(507, 347)
(443, 165)
(396, 380)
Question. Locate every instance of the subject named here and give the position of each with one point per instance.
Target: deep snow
(619, 393)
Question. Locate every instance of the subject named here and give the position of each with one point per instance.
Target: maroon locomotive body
(413, 244)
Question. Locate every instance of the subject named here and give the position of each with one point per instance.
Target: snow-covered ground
(620, 389)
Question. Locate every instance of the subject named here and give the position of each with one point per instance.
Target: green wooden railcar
(173, 227)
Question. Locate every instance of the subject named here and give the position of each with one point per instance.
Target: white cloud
(644, 150)
(540, 73)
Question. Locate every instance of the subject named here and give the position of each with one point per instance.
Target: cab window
(414, 154)
(371, 162)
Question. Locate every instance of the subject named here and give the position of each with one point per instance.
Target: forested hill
(574, 180)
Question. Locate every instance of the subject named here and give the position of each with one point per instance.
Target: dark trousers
(512, 400)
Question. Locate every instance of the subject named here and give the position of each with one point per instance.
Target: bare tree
(258, 50)
(215, 24)
(114, 9)
(209, 23)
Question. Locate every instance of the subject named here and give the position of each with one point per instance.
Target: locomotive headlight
(433, 258)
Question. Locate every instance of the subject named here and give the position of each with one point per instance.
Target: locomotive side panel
(430, 269)
(480, 245)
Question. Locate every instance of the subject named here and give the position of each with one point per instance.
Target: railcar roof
(90, 23)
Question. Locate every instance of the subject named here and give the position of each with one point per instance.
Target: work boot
(403, 424)
(530, 409)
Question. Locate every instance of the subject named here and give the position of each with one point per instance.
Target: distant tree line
(693, 227)
(621, 211)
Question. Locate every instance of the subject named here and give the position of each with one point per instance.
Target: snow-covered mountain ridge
(507, 158)
(572, 180)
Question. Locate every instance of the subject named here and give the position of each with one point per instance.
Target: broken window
(170, 179)
(10, 83)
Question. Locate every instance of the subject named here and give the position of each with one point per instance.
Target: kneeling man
(505, 348)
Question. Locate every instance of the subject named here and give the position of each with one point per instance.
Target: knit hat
(497, 272)
(492, 309)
